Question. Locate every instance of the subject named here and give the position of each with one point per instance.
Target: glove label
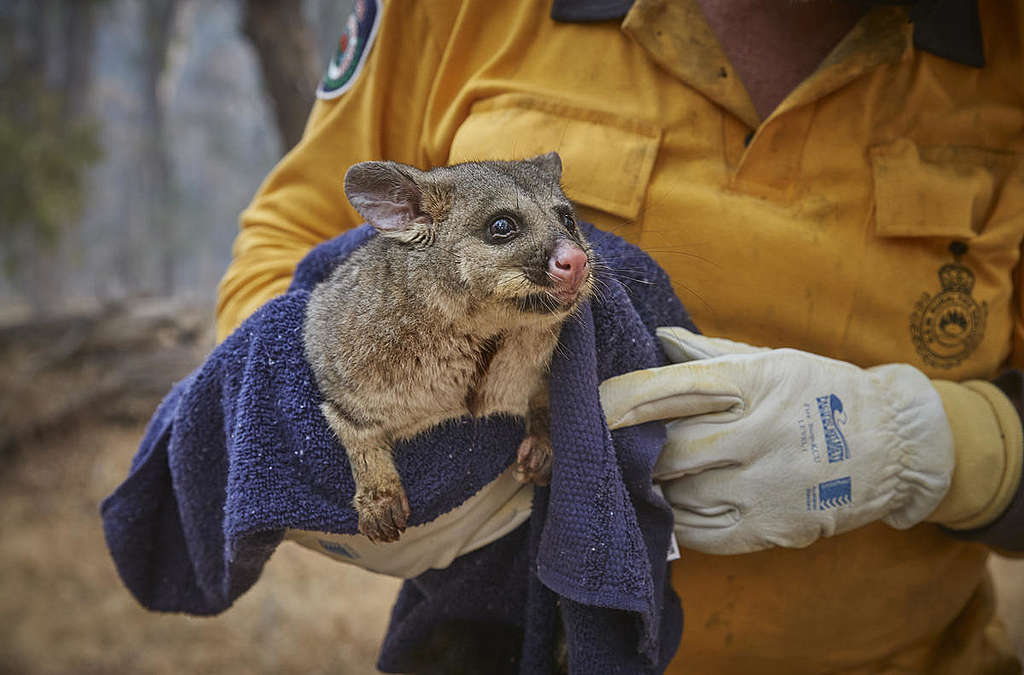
(833, 417)
(339, 549)
(830, 494)
(830, 408)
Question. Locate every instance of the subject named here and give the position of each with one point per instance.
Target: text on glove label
(830, 494)
(808, 441)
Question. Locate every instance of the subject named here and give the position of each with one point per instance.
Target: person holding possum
(837, 192)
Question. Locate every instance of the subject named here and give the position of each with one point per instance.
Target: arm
(750, 464)
(986, 499)
(986, 420)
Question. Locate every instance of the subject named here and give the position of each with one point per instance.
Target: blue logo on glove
(831, 410)
(834, 493)
(338, 549)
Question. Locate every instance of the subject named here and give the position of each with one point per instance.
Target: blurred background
(132, 133)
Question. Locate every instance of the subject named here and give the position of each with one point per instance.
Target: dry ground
(63, 609)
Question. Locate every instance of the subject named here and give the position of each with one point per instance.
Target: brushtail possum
(453, 309)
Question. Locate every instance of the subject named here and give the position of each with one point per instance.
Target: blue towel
(239, 451)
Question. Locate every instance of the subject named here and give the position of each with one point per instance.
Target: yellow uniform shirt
(827, 227)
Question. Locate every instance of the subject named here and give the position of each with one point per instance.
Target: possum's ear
(390, 197)
(550, 163)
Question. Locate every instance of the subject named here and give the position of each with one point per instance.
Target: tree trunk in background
(51, 66)
(80, 37)
(286, 47)
(39, 281)
(158, 24)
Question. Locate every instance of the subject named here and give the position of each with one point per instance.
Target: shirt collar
(947, 28)
(581, 11)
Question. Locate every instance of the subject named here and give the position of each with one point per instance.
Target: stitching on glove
(903, 492)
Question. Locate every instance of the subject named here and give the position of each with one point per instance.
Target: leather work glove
(778, 447)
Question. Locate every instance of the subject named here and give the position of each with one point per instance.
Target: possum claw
(533, 461)
(383, 512)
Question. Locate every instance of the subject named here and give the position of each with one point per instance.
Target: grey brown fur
(436, 318)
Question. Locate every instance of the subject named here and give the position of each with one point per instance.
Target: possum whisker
(685, 254)
(603, 282)
(605, 270)
(560, 349)
(618, 276)
(599, 290)
(695, 294)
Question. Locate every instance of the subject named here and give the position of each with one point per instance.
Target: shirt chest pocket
(948, 222)
(947, 191)
(607, 159)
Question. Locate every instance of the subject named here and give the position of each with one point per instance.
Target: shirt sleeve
(1006, 532)
(302, 202)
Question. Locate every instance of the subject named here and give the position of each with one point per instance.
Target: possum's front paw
(383, 511)
(533, 460)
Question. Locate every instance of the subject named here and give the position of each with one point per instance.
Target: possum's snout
(568, 269)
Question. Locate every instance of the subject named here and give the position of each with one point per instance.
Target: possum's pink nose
(567, 266)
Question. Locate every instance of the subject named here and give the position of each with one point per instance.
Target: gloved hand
(778, 447)
(497, 509)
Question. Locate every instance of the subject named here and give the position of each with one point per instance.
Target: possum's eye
(502, 228)
(569, 222)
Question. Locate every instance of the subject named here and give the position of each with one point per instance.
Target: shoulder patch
(353, 48)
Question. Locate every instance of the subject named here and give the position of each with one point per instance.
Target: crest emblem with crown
(947, 328)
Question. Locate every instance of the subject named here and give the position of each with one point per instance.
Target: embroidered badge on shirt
(353, 48)
(947, 328)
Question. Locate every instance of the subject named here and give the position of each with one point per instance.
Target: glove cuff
(989, 446)
(922, 443)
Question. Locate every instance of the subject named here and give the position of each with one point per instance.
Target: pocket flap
(942, 191)
(606, 159)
